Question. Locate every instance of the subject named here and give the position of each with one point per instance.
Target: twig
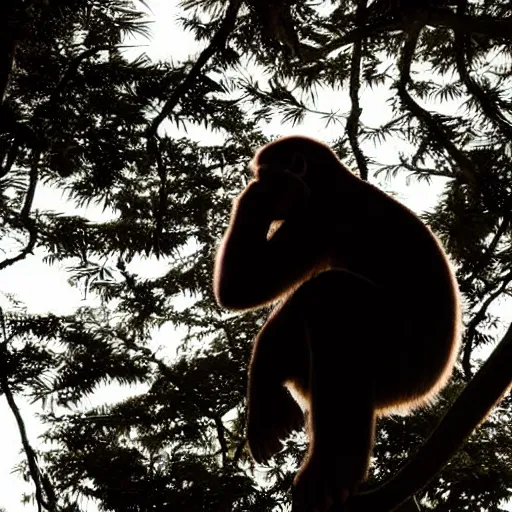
(25, 218)
(489, 251)
(355, 111)
(477, 318)
(218, 40)
(12, 19)
(161, 208)
(33, 466)
(424, 170)
(221, 434)
(464, 164)
(462, 47)
(72, 70)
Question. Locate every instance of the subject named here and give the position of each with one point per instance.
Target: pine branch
(484, 25)
(424, 171)
(161, 209)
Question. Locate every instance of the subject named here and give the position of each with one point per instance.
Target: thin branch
(73, 69)
(161, 208)
(218, 40)
(434, 17)
(475, 321)
(221, 434)
(6, 63)
(12, 18)
(355, 111)
(494, 28)
(28, 222)
(489, 252)
(424, 170)
(462, 49)
(463, 162)
(489, 385)
(33, 466)
(239, 450)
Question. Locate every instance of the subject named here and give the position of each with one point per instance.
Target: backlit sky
(43, 288)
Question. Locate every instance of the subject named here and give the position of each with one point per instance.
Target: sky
(45, 288)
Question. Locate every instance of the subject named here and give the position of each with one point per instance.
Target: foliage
(115, 133)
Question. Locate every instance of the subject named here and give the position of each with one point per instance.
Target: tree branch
(424, 170)
(485, 25)
(435, 17)
(463, 162)
(477, 318)
(221, 434)
(12, 19)
(489, 252)
(161, 208)
(462, 48)
(73, 69)
(355, 111)
(25, 218)
(33, 466)
(218, 40)
(489, 385)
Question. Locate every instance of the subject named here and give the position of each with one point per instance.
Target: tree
(79, 116)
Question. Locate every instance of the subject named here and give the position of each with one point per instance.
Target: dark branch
(355, 111)
(161, 208)
(72, 70)
(464, 164)
(221, 434)
(489, 252)
(435, 17)
(239, 450)
(469, 410)
(33, 466)
(424, 170)
(218, 40)
(475, 321)
(489, 108)
(12, 18)
(27, 221)
(485, 25)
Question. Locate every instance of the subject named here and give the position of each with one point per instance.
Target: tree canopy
(160, 148)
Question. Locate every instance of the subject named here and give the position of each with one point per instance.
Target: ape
(366, 317)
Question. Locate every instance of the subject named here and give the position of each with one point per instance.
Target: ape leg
(280, 353)
(342, 318)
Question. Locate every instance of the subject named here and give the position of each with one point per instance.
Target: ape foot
(317, 489)
(270, 421)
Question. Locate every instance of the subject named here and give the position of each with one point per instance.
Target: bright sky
(43, 288)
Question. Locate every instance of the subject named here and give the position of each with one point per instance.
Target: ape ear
(299, 165)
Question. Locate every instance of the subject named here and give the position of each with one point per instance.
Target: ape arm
(250, 270)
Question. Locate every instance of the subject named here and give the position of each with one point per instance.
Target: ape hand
(277, 195)
(271, 419)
